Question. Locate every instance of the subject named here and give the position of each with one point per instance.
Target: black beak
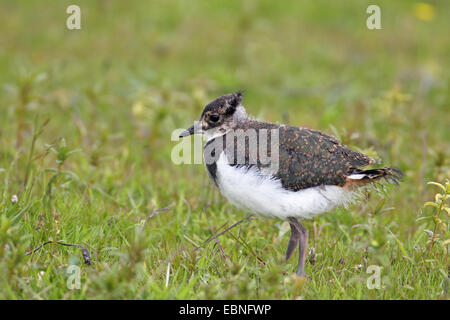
(187, 132)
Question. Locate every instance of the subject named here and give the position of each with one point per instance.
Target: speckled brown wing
(310, 158)
(307, 158)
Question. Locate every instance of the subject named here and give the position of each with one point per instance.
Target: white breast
(260, 194)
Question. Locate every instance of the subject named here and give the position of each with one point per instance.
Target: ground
(86, 118)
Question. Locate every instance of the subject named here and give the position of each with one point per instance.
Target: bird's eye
(214, 118)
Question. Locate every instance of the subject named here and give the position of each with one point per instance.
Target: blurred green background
(114, 91)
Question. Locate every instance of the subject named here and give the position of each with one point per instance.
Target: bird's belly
(261, 194)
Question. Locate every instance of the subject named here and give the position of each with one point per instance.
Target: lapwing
(304, 173)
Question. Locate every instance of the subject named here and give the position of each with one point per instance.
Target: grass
(86, 118)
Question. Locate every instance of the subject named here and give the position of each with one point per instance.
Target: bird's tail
(361, 177)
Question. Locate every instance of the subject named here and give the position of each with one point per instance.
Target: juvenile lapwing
(304, 173)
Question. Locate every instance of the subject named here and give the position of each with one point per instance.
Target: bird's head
(218, 116)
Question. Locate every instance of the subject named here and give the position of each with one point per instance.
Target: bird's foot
(297, 282)
(301, 275)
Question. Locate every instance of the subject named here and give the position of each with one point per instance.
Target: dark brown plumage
(308, 158)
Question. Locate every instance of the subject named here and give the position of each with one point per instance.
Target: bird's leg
(302, 245)
(293, 241)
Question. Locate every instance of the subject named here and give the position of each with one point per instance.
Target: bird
(281, 171)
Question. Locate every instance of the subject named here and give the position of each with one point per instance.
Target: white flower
(14, 199)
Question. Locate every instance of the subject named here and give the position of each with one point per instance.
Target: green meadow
(86, 123)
